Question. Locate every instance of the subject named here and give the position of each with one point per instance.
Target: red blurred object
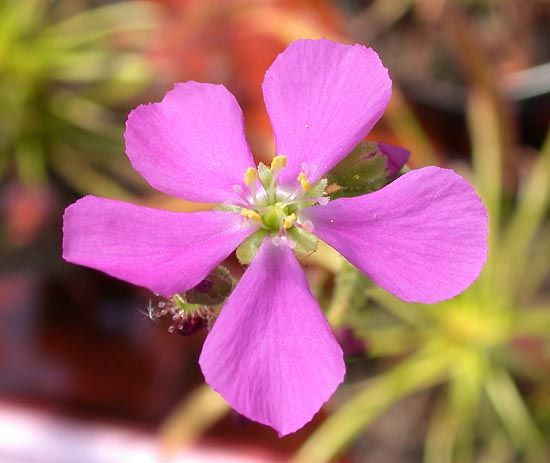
(25, 209)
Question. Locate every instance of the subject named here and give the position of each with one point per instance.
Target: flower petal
(422, 237)
(166, 252)
(271, 353)
(323, 98)
(191, 144)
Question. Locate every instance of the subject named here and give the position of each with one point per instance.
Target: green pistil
(273, 217)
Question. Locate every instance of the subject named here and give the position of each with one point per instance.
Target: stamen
(250, 176)
(304, 183)
(289, 221)
(250, 214)
(277, 163)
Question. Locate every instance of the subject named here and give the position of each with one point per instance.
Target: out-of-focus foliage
(62, 75)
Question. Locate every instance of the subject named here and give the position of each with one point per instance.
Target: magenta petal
(396, 157)
(323, 98)
(271, 353)
(163, 251)
(191, 144)
(422, 237)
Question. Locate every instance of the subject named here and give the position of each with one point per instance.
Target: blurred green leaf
(60, 80)
(348, 295)
(531, 208)
(84, 179)
(409, 130)
(200, 410)
(423, 369)
(510, 407)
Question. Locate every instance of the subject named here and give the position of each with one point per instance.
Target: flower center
(276, 208)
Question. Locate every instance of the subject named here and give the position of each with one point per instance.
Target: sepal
(249, 247)
(305, 242)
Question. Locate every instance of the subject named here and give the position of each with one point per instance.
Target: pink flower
(271, 353)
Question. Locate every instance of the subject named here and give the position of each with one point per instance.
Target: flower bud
(369, 167)
(213, 290)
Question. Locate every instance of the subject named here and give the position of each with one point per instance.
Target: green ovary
(274, 217)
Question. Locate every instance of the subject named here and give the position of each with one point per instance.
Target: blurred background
(86, 377)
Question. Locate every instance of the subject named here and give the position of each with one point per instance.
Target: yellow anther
(289, 221)
(250, 214)
(250, 176)
(306, 186)
(278, 162)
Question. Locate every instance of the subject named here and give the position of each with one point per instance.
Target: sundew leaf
(408, 130)
(42, 119)
(538, 270)
(409, 313)
(441, 435)
(511, 409)
(531, 209)
(82, 177)
(388, 340)
(18, 19)
(533, 321)
(450, 432)
(200, 410)
(420, 371)
(30, 162)
(488, 118)
(96, 24)
(533, 199)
